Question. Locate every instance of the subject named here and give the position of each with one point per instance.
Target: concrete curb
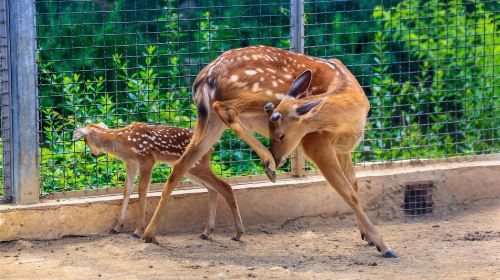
(381, 193)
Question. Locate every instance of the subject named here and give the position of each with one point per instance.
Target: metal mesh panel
(428, 67)
(122, 61)
(5, 183)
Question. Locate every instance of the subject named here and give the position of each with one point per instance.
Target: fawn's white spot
(261, 79)
(250, 72)
(259, 70)
(280, 81)
(234, 78)
(270, 70)
(275, 84)
(288, 76)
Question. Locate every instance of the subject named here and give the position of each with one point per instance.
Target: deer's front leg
(230, 117)
(129, 187)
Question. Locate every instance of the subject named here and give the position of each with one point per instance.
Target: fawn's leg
(129, 188)
(230, 117)
(145, 171)
(211, 181)
(320, 150)
(203, 139)
(213, 201)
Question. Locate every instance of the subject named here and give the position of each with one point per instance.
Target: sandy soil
(462, 245)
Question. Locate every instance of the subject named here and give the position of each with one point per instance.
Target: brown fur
(140, 146)
(232, 91)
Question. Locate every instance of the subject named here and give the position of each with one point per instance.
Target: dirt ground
(462, 245)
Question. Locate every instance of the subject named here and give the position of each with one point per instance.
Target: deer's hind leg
(203, 139)
(321, 150)
(203, 174)
(145, 171)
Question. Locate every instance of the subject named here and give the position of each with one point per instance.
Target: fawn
(140, 146)
(319, 105)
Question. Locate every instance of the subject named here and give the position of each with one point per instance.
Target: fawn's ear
(78, 133)
(103, 125)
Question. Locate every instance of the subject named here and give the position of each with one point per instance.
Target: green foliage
(446, 105)
(430, 79)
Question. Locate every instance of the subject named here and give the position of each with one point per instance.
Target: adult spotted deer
(140, 146)
(324, 109)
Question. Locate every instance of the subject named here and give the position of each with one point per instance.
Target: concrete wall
(381, 192)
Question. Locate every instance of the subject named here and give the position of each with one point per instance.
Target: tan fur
(140, 146)
(328, 133)
(226, 94)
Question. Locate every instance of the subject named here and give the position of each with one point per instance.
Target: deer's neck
(106, 141)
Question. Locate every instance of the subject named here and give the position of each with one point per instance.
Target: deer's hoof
(150, 239)
(235, 239)
(390, 254)
(114, 231)
(203, 236)
(378, 248)
(271, 174)
(370, 243)
(135, 235)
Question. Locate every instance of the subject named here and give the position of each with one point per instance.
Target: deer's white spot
(275, 84)
(234, 78)
(261, 79)
(269, 93)
(144, 142)
(135, 150)
(256, 57)
(141, 146)
(250, 72)
(255, 87)
(279, 95)
(270, 70)
(280, 81)
(129, 139)
(259, 70)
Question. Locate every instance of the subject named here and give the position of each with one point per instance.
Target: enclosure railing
(428, 67)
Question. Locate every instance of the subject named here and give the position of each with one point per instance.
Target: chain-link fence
(428, 67)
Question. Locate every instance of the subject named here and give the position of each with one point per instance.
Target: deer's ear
(78, 133)
(310, 109)
(300, 85)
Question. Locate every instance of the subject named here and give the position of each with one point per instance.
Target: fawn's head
(290, 120)
(90, 137)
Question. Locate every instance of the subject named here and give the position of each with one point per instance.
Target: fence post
(297, 45)
(25, 169)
